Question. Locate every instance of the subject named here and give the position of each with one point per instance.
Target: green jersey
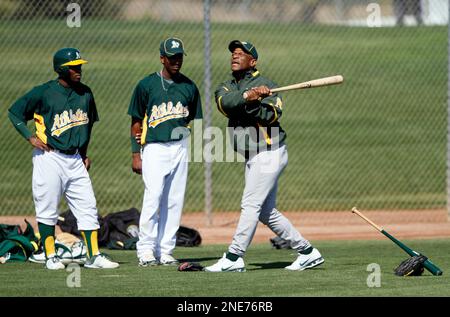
(63, 116)
(255, 124)
(165, 108)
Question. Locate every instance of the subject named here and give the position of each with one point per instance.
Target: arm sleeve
(196, 106)
(93, 113)
(21, 126)
(93, 117)
(268, 111)
(229, 102)
(23, 110)
(138, 102)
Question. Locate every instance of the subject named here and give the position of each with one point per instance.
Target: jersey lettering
(67, 120)
(165, 112)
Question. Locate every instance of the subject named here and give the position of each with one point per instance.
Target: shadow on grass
(197, 259)
(276, 265)
(268, 266)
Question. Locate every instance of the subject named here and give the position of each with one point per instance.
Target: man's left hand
(86, 162)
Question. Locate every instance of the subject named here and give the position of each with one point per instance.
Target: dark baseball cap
(171, 46)
(247, 47)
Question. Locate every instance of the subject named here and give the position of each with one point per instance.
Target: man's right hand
(138, 137)
(37, 143)
(257, 93)
(137, 163)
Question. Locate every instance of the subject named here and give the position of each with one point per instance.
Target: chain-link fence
(377, 141)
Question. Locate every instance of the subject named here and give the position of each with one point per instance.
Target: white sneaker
(63, 252)
(76, 254)
(54, 263)
(79, 252)
(306, 261)
(38, 257)
(148, 260)
(167, 259)
(226, 265)
(100, 261)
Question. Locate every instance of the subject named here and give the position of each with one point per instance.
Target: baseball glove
(411, 267)
(190, 267)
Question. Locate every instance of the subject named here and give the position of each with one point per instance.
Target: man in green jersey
(162, 105)
(64, 112)
(254, 113)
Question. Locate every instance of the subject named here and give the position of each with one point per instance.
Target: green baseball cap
(171, 46)
(247, 47)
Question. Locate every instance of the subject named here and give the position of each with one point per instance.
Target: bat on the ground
(326, 81)
(430, 266)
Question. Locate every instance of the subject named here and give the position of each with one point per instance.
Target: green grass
(344, 273)
(378, 140)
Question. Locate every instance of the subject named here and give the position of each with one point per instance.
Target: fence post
(207, 107)
(448, 117)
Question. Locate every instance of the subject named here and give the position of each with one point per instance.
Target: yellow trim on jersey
(23, 249)
(144, 129)
(40, 127)
(35, 246)
(279, 103)
(255, 73)
(219, 104)
(266, 136)
(69, 126)
(75, 62)
(154, 123)
(275, 117)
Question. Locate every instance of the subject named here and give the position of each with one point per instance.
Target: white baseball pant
(56, 174)
(164, 172)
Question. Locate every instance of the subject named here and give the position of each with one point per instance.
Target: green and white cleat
(306, 261)
(226, 265)
(100, 261)
(54, 263)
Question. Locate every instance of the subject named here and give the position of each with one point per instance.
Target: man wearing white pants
(56, 174)
(164, 175)
(161, 108)
(64, 112)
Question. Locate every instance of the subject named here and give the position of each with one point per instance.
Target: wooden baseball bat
(326, 81)
(430, 266)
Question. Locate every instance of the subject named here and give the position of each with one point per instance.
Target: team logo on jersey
(67, 120)
(175, 44)
(165, 112)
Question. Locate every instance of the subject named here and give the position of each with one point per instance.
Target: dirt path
(340, 225)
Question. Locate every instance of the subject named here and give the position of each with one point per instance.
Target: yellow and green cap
(247, 47)
(66, 57)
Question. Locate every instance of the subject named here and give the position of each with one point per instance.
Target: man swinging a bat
(254, 113)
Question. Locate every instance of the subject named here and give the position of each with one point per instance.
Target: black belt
(67, 152)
